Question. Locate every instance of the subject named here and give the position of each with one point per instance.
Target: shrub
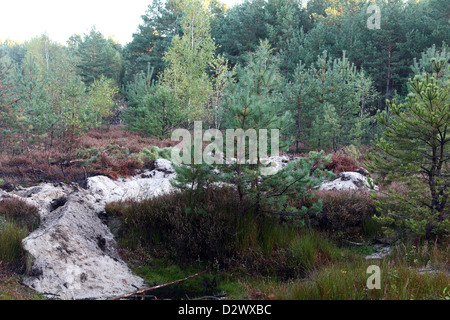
(345, 215)
(214, 230)
(341, 162)
(20, 212)
(167, 225)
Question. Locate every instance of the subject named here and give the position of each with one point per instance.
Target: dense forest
(361, 81)
(186, 54)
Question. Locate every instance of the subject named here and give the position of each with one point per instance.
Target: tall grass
(402, 278)
(214, 231)
(265, 233)
(274, 259)
(11, 237)
(312, 250)
(17, 220)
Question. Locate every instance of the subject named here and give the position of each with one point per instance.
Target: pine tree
(7, 110)
(222, 78)
(329, 101)
(97, 56)
(415, 151)
(32, 101)
(240, 30)
(254, 103)
(152, 107)
(286, 22)
(160, 24)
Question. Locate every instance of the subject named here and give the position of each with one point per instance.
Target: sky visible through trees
(23, 19)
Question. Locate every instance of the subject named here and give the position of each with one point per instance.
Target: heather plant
(345, 215)
(19, 212)
(213, 231)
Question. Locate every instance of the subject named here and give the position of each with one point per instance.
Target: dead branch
(158, 286)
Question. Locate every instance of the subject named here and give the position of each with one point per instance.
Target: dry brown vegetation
(135, 142)
(107, 150)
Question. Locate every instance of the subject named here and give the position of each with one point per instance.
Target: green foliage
(46, 100)
(159, 25)
(194, 179)
(32, 100)
(253, 102)
(11, 242)
(310, 250)
(189, 58)
(17, 220)
(329, 100)
(212, 231)
(62, 109)
(425, 63)
(240, 30)
(295, 180)
(414, 152)
(346, 280)
(96, 56)
(153, 107)
(100, 101)
(286, 22)
(154, 153)
(250, 104)
(138, 89)
(222, 78)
